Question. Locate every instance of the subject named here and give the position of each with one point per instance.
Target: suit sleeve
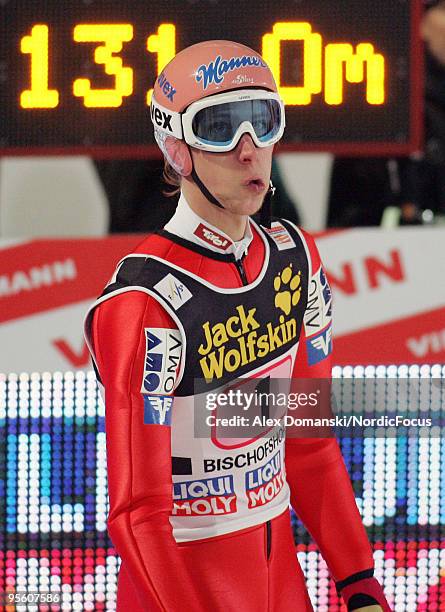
(321, 491)
(139, 450)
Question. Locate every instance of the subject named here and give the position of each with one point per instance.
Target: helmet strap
(203, 189)
(266, 209)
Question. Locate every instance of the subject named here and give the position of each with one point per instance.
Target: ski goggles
(217, 123)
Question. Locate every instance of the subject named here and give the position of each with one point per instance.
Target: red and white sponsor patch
(265, 482)
(207, 496)
(212, 237)
(280, 236)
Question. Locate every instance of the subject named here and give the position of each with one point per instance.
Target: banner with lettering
(389, 294)
(388, 287)
(46, 287)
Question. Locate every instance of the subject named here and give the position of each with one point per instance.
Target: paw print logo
(288, 289)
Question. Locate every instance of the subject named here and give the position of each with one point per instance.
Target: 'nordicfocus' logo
(212, 237)
(215, 71)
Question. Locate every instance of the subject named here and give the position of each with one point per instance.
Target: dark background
(73, 128)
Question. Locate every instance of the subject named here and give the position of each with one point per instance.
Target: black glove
(361, 590)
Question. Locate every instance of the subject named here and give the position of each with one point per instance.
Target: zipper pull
(242, 273)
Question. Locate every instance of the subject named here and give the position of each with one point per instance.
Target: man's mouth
(255, 184)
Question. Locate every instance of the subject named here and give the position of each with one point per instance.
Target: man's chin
(260, 204)
(246, 207)
(255, 204)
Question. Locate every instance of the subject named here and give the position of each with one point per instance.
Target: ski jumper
(201, 523)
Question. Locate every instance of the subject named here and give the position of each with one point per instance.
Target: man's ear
(178, 156)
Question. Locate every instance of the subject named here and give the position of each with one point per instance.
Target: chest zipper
(268, 539)
(239, 266)
(241, 271)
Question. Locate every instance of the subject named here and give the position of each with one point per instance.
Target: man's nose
(246, 148)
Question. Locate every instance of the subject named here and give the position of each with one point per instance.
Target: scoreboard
(76, 76)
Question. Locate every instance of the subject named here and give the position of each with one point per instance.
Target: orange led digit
(39, 96)
(113, 36)
(271, 51)
(338, 55)
(164, 45)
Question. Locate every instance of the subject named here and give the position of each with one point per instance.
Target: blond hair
(172, 180)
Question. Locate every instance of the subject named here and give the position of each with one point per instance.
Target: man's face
(433, 32)
(239, 179)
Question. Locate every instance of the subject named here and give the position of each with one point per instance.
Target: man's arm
(321, 491)
(139, 454)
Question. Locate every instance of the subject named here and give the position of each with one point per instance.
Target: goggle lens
(218, 124)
